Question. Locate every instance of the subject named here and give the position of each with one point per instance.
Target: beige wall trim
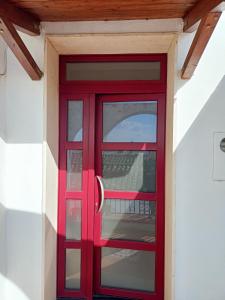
(100, 44)
(112, 43)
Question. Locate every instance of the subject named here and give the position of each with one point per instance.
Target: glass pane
(72, 269)
(74, 170)
(142, 70)
(130, 121)
(75, 118)
(129, 220)
(73, 219)
(128, 269)
(129, 170)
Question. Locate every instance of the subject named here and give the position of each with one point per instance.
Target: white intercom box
(219, 156)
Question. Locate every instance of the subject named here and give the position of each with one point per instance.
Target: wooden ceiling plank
(77, 10)
(15, 43)
(23, 21)
(199, 43)
(200, 10)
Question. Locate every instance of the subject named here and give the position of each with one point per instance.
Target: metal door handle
(102, 194)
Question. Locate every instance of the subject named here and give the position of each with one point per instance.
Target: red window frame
(87, 91)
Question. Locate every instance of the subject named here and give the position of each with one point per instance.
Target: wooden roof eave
(13, 18)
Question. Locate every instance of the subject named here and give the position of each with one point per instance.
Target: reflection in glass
(130, 121)
(129, 170)
(73, 219)
(129, 220)
(128, 269)
(141, 70)
(72, 280)
(74, 170)
(75, 120)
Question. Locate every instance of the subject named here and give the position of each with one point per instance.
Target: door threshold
(102, 297)
(95, 297)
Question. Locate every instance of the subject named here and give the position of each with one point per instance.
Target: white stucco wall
(22, 178)
(2, 170)
(200, 205)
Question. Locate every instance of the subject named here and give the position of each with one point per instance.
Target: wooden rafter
(199, 43)
(23, 21)
(200, 10)
(18, 47)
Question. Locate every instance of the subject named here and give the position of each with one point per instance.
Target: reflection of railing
(137, 207)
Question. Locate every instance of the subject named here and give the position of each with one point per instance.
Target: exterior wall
(199, 213)
(23, 103)
(200, 205)
(2, 172)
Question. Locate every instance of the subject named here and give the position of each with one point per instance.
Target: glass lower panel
(73, 219)
(128, 269)
(129, 220)
(73, 259)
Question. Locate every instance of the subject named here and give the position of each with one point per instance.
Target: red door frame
(87, 91)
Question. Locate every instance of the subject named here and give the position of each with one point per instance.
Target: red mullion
(74, 195)
(112, 58)
(127, 195)
(73, 145)
(129, 146)
(74, 294)
(72, 244)
(98, 163)
(127, 244)
(130, 97)
(61, 201)
(160, 208)
(109, 87)
(91, 200)
(84, 234)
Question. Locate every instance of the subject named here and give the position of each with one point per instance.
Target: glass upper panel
(128, 269)
(75, 120)
(129, 170)
(74, 170)
(130, 121)
(73, 259)
(129, 220)
(142, 70)
(73, 219)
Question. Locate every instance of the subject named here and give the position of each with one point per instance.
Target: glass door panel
(129, 220)
(128, 269)
(128, 157)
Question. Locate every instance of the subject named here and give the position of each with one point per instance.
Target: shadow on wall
(200, 207)
(23, 271)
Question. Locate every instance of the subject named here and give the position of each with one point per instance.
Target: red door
(111, 195)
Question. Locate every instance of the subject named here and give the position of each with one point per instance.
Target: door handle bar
(102, 193)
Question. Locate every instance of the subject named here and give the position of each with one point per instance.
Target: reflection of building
(129, 170)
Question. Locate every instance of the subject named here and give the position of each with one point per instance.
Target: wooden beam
(18, 47)
(199, 43)
(200, 10)
(23, 21)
